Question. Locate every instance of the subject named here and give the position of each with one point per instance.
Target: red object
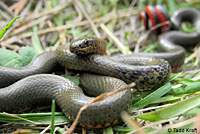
(154, 16)
(144, 18)
(162, 18)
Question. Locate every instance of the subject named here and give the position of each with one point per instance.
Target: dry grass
(71, 19)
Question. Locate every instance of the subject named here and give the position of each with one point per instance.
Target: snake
(171, 44)
(33, 85)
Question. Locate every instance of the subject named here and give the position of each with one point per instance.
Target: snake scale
(31, 85)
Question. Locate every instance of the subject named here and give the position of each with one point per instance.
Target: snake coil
(32, 86)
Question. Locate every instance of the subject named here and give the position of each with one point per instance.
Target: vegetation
(44, 25)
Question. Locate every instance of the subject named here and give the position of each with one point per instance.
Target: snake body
(147, 75)
(171, 44)
(44, 63)
(42, 88)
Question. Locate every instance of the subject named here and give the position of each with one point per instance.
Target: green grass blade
(171, 111)
(168, 98)
(122, 129)
(53, 116)
(108, 130)
(58, 19)
(3, 31)
(188, 86)
(60, 130)
(131, 35)
(153, 96)
(171, 6)
(36, 117)
(175, 75)
(54, 3)
(159, 2)
(35, 41)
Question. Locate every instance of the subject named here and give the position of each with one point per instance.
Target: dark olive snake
(33, 86)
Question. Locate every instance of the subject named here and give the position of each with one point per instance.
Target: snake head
(88, 46)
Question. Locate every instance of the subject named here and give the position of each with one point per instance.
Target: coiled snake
(33, 86)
